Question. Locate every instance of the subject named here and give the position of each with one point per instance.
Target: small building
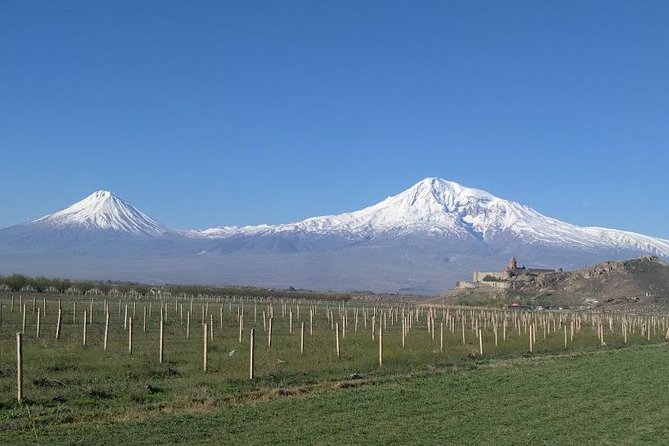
(502, 279)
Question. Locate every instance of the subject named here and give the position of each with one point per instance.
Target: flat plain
(605, 385)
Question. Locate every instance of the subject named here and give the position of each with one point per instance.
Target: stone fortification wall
(480, 275)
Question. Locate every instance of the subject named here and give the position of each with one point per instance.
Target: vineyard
(84, 359)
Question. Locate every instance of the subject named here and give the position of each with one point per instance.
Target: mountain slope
(102, 210)
(438, 207)
(420, 241)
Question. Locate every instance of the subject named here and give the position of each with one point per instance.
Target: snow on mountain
(102, 210)
(419, 241)
(435, 206)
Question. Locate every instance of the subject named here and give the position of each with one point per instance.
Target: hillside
(640, 284)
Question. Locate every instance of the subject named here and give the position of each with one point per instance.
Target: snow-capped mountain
(102, 210)
(420, 240)
(435, 206)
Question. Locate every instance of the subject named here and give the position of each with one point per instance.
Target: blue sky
(208, 113)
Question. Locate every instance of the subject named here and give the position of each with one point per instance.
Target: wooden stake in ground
(441, 337)
(337, 339)
(252, 354)
(302, 339)
(130, 335)
(104, 347)
(241, 327)
(23, 324)
(565, 336)
(19, 367)
(85, 324)
(380, 345)
(38, 321)
(269, 333)
(58, 323)
(204, 351)
(161, 342)
(480, 343)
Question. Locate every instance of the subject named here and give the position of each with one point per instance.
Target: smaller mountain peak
(104, 210)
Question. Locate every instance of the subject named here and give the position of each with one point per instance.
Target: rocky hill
(640, 284)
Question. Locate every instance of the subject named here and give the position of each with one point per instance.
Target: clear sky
(208, 113)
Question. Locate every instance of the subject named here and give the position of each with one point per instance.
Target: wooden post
(311, 322)
(204, 351)
(565, 336)
(252, 354)
(188, 324)
(480, 343)
(373, 326)
(125, 318)
(58, 322)
(625, 333)
(23, 324)
(302, 338)
(144, 321)
(74, 312)
(337, 338)
(290, 322)
(19, 367)
(380, 345)
(441, 337)
(85, 324)
(161, 342)
(106, 330)
(269, 333)
(241, 327)
(38, 321)
(130, 335)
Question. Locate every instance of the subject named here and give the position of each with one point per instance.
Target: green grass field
(586, 393)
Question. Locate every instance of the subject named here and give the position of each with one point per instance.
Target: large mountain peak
(104, 210)
(437, 195)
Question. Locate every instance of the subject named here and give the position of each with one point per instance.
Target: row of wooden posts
(479, 320)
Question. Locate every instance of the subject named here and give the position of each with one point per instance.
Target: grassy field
(75, 394)
(608, 397)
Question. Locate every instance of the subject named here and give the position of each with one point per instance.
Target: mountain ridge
(420, 240)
